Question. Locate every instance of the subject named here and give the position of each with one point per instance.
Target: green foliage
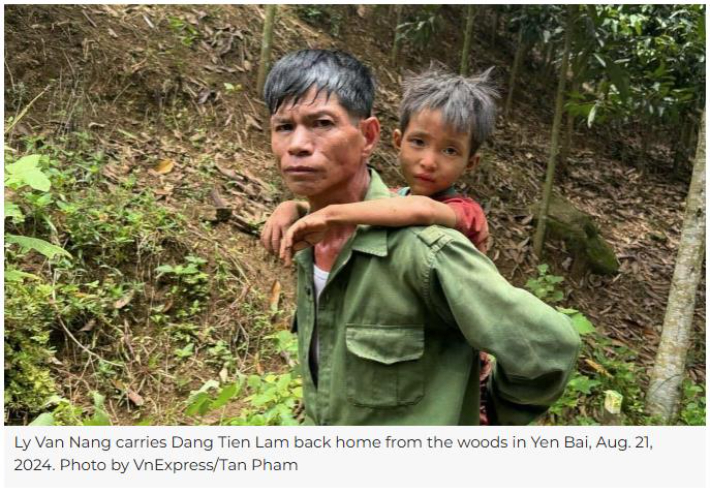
(271, 398)
(608, 366)
(544, 286)
(67, 414)
(581, 323)
(327, 17)
(109, 236)
(647, 63)
(27, 244)
(420, 26)
(187, 34)
(693, 404)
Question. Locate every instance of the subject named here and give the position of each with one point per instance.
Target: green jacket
(400, 322)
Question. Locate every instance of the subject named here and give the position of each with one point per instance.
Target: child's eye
(451, 151)
(283, 127)
(417, 142)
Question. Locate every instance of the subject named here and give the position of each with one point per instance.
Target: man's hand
(276, 226)
(305, 232)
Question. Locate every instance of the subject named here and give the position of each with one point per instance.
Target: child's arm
(285, 214)
(415, 210)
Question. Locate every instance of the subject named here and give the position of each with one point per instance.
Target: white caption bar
(355, 457)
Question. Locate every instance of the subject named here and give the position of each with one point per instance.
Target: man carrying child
(391, 319)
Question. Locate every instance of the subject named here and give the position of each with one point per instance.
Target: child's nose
(428, 161)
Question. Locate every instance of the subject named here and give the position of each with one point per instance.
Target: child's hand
(278, 223)
(305, 232)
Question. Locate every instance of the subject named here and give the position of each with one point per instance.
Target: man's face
(318, 145)
(432, 156)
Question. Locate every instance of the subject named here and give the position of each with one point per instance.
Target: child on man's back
(444, 119)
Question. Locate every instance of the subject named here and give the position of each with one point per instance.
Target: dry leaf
(227, 172)
(251, 122)
(165, 166)
(223, 375)
(89, 326)
(597, 367)
(247, 65)
(123, 301)
(274, 297)
(135, 398)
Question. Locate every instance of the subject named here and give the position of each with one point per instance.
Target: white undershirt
(320, 277)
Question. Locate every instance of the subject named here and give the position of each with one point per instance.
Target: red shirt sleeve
(470, 220)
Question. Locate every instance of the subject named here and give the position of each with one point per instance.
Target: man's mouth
(300, 170)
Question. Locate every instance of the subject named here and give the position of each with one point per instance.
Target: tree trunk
(549, 61)
(514, 73)
(667, 374)
(569, 129)
(680, 151)
(550, 175)
(396, 42)
(468, 34)
(494, 27)
(266, 38)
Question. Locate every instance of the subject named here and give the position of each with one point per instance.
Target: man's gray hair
(330, 71)
(467, 104)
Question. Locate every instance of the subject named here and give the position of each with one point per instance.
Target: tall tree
(519, 51)
(397, 37)
(554, 143)
(667, 374)
(468, 34)
(266, 41)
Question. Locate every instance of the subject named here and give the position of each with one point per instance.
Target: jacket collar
(366, 239)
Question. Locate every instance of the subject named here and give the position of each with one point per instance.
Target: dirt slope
(156, 83)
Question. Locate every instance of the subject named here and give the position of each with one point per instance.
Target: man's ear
(397, 139)
(473, 161)
(370, 129)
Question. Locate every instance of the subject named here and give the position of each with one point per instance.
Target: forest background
(138, 174)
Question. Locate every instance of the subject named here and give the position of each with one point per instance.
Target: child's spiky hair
(467, 104)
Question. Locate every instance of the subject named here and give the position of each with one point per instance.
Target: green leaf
(592, 115)
(13, 211)
(26, 171)
(17, 276)
(196, 403)
(227, 393)
(580, 322)
(44, 419)
(26, 243)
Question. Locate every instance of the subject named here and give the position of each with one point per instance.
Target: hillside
(151, 120)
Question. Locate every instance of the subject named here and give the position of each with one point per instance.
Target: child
(444, 118)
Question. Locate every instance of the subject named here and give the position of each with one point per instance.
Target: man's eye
(283, 127)
(323, 123)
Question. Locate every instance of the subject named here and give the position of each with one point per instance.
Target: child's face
(432, 156)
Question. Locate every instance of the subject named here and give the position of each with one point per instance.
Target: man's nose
(301, 142)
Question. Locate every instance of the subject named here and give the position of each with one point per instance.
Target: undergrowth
(108, 302)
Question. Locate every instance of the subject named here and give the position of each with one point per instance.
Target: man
(390, 321)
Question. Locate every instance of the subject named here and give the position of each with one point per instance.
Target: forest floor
(166, 94)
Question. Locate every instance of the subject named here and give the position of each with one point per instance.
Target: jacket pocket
(384, 365)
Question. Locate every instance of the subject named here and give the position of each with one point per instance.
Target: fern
(47, 249)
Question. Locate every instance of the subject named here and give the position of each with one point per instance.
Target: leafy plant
(421, 27)
(187, 34)
(693, 404)
(67, 414)
(544, 286)
(271, 398)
